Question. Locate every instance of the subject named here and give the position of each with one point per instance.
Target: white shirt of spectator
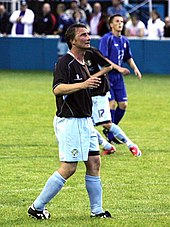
(156, 29)
(94, 24)
(27, 20)
(135, 30)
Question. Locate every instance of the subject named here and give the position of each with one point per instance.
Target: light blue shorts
(76, 138)
(101, 109)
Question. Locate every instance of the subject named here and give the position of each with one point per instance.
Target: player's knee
(72, 170)
(112, 104)
(67, 170)
(93, 167)
(123, 105)
(108, 125)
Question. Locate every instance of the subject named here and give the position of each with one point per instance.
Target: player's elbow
(57, 91)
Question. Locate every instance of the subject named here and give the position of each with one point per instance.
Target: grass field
(135, 190)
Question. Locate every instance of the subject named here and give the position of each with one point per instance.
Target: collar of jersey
(75, 58)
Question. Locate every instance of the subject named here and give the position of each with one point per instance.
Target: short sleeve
(103, 46)
(128, 53)
(60, 74)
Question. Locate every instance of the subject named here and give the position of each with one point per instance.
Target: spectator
(74, 6)
(117, 8)
(22, 21)
(4, 21)
(155, 26)
(167, 27)
(86, 7)
(98, 21)
(78, 18)
(44, 25)
(135, 27)
(63, 22)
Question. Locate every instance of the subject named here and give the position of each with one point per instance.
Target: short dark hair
(71, 33)
(113, 16)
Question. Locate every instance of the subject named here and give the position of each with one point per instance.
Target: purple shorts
(117, 89)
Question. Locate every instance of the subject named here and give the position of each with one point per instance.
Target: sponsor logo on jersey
(78, 77)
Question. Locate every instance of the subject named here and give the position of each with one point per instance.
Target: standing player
(101, 110)
(116, 48)
(73, 126)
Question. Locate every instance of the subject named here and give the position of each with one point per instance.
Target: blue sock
(94, 189)
(119, 113)
(118, 133)
(51, 188)
(106, 145)
(112, 112)
(110, 135)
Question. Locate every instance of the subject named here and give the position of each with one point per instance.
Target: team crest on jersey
(74, 153)
(78, 77)
(88, 63)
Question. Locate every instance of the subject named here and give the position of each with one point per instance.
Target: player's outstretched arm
(66, 89)
(122, 70)
(103, 71)
(135, 68)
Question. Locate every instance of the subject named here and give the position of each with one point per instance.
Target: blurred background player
(86, 7)
(167, 27)
(155, 26)
(22, 21)
(78, 18)
(45, 23)
(98, 21)
(117, 8)
(135, 27)
(63, 22)
(116, 48)
(100, 110)
(74, 6)
(5, 26)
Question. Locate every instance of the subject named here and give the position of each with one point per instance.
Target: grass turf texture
(135, 190)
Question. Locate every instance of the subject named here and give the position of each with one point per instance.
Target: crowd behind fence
(39, 18)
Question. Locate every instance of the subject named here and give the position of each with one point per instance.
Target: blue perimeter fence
(19, 53)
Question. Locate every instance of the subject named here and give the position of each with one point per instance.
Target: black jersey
(94, 61)
(78, 104)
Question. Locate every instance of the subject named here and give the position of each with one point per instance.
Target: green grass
(135, 190)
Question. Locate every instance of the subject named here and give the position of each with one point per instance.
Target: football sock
(110, 135)
(119, 113)
(107, 146)
(51, 188)
(119, 134)
(94, 189)
(112, 112)
(102, 141)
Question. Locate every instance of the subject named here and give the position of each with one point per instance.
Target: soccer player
(73, 126)
(116, 48)
(100, 110)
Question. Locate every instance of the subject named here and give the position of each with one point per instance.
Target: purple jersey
(116, 49)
